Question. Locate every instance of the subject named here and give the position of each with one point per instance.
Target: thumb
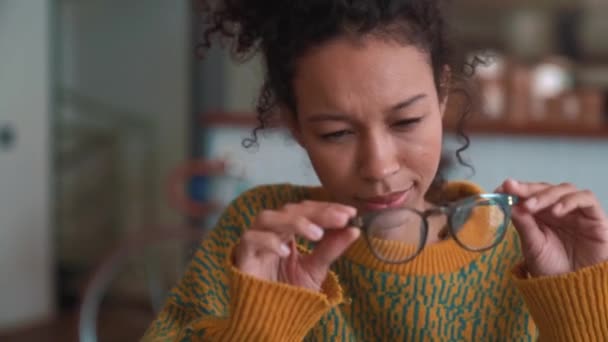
(530, 234)
(330, 248)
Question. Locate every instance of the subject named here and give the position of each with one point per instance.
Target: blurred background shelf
(534, 130)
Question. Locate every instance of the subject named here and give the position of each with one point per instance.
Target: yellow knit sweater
(445, 294)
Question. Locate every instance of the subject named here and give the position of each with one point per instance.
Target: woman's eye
(407, 122)
(335, 135)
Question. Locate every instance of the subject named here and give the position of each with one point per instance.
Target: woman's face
(370, 120)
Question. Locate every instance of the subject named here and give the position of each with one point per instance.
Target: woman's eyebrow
(406, 103)
(341, 117)
(328, 117)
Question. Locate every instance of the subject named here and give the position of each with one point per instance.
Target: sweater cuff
(568, 307)
(263, 310)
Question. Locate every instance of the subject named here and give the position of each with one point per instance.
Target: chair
(151, 252)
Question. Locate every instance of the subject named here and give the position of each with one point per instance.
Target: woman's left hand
(562, 228)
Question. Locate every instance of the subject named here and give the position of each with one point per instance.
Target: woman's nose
(378, 159)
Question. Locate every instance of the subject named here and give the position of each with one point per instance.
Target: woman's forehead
(342, 73)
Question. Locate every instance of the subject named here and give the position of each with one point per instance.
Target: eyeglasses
(477, 223)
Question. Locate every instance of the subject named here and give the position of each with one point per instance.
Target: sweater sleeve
(216, 302)
(569, 307)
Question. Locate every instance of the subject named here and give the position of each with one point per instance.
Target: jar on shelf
(491, 79)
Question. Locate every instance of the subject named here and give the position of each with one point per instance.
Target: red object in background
(592, 107)
(177, 187)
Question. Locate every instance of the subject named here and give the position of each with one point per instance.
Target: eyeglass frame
(505, 201)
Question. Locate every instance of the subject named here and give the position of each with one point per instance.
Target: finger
(548, 197)
(324, 214)
(333, 245)
(287, 224)
(523, 189)
(584, 200)
(501, 187)
(254, 242)
(531, 236)
(317, 206)
(293, 258)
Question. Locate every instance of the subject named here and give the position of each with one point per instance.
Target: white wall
(278, 158)
(583, 162)
(26, 257)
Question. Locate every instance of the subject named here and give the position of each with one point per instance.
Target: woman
(363, 86)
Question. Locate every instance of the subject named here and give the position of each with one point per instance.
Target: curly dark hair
(284, 30)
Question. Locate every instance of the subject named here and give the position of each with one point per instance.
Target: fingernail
(285, 250)
(353, 211)
(531, 203)
(558, 208)
(315, 232)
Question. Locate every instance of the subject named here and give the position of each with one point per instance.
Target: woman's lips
(392, 200)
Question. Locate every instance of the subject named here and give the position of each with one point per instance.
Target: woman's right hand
(267, 250)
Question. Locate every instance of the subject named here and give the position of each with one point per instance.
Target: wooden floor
(117, 323)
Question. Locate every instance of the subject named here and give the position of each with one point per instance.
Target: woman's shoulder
(274, 196)
(251, 202)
